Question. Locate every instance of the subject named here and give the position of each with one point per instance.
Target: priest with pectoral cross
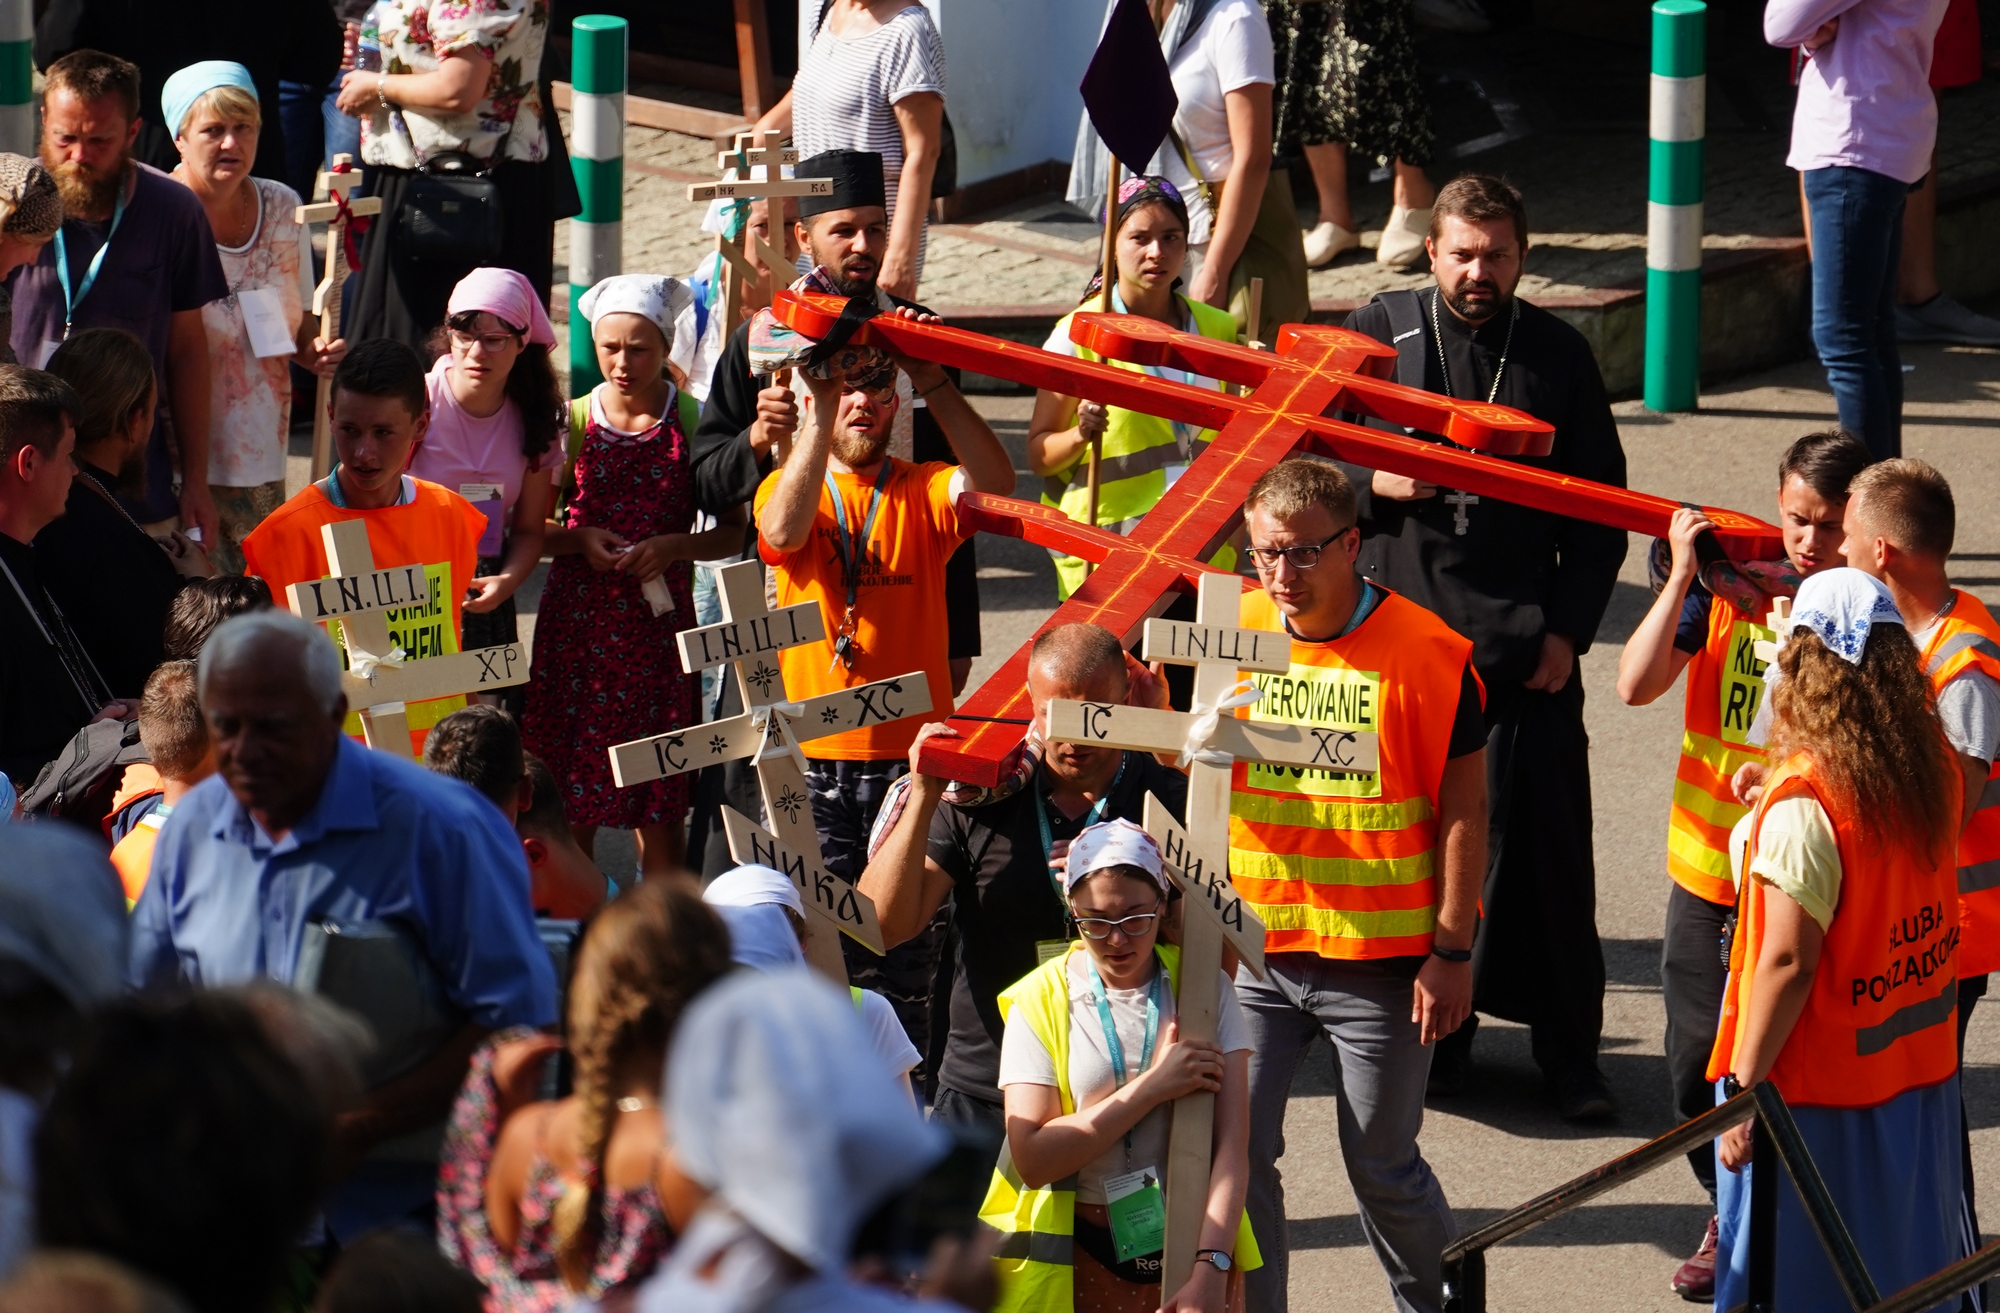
(1528, 588)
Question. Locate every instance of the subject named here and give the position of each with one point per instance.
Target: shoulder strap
(1406, 333)
(690, 412)
(579, 420)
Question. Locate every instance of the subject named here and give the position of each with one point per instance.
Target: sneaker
(1942, 319)
(1582, 1096)
(1326, 242)
(1403, 237)
(1695, 1282)
(1452, 16)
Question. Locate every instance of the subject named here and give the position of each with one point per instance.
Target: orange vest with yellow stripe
(1882, 1016)
(1725, 682)
(1344, 864)
(1969, 639)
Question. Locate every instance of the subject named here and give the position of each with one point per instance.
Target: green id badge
(1048, 949)
(1138, 1209)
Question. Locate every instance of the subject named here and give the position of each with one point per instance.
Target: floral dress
(606, 669)
(417, 36)
(634, 1231)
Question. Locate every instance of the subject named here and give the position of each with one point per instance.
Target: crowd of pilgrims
(290, 1021)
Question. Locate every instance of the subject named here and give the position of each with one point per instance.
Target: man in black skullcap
(846, 234)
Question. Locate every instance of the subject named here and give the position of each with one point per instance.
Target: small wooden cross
(1218, 650)
(766, 182)
(1766, 649)
(1459, 500)
(339, 183)
(770, 730)
(380, 681)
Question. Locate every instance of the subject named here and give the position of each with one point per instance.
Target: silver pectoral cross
(1458, 501)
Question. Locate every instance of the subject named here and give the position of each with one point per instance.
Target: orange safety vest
(1969, 639)
(1344, 864)
(438, 529)
(1725, 682)
(132, 856)
(1882, 1017)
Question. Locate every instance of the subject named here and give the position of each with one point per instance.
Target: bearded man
(135, 252)
(865, 537)
(1528, 588)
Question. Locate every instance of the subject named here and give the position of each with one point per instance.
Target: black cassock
(1504, 575)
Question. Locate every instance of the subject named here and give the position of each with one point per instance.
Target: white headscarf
(667, 302)
(1841, 605)
(761, 937)
(752, 885)
(775, 1102)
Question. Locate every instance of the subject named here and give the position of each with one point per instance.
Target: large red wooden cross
(1284, 408)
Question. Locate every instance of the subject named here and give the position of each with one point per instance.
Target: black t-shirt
(1004, 903)
(111, 580)
(48, 689)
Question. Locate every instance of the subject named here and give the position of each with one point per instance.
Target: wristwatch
(1215, 1258)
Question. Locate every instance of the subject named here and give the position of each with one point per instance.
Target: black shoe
(1582, 1096)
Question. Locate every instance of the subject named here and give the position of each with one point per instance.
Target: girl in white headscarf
(606, 668)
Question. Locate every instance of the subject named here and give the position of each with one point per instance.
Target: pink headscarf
(507, 295)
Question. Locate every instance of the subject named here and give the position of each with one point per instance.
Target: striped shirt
(846, 89)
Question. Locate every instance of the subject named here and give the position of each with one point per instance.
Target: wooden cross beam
(380, 681)
(340, 183)
(748, 640)
(1211, 740)
(1287, 398)
(762, 163)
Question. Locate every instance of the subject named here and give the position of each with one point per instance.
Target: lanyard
(1111, 1040)
(1090, 818)
(406, 491)
(70, 300)
(850, 549)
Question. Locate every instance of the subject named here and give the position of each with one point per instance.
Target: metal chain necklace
(1506, 347)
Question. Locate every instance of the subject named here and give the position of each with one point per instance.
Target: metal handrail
(1776, 1139)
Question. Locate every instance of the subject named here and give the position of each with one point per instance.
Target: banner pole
(1110, 279)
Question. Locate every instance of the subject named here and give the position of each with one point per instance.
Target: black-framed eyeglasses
(1303, 557)
(491, 343)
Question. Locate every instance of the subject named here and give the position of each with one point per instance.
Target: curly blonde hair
(647, 955)
(1872, 733)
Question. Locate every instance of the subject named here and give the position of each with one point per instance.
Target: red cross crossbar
(1285, 407)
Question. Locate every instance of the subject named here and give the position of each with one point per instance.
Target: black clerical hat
(857, 181)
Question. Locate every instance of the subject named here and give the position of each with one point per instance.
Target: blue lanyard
(1090, 818)
(1111, 1040)
(850, 550)
(96, 263)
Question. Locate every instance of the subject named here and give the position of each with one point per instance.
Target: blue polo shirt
(387, 841)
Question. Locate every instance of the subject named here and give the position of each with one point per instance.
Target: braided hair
(645, 957)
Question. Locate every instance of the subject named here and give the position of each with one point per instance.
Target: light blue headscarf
(184, 88)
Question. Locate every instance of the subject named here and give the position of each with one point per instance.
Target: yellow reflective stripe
(1699, 855)
(1710, 808)
(1309, 813)
(1724, 758)
(1248, 864)
(1331, 924)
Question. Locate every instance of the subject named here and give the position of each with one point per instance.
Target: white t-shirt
(1024, 1061)
(892, 1042)
(1968, 706)
(1229, 51)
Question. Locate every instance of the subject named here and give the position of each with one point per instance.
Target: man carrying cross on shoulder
(847, 526)
(1367, 883)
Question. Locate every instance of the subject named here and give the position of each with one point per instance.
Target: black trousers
(1538, 960)
(1692, 980)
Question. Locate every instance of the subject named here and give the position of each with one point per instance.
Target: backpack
(79, 783)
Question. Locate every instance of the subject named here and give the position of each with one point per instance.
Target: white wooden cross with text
(769, 731)
(766, 182)
(339, 183)
(1212, 740)
(380, 681)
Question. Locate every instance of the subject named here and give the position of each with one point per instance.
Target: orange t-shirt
(899, 605)
(132, 856)
(438, 530)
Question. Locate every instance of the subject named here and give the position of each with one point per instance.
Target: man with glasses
(1528, 588)
(865, 536)
(1367, 881)
(998, 854)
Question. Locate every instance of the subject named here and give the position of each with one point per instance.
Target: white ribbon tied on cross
(760, 718)
(364, 666)
(1207, 719)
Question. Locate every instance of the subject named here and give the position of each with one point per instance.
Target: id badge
(1173, 473)
(485, 498)
(1138, 1209)
(1047, 950)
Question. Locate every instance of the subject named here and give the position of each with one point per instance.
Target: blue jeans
(1857, 239)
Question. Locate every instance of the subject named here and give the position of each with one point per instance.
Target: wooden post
(753, 58)
(1110, 280)
(1256, 314)
(340, 184)
(748, 156)
(1218, 650)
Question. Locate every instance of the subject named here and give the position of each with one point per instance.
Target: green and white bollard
(17, 77)
(597, 154)
(1673, 204)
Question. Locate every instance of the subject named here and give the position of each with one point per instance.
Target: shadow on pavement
(1666, 1227)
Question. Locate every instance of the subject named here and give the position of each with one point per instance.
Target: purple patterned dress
(606, 670)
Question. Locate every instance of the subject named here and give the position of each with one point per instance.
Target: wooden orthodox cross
(335, 212)
(1210, 740)
(1285, 407)
(380, 679)
(769, 731)
(739, 276)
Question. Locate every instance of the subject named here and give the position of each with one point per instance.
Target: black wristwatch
(1452, 954)
(1215, 1258)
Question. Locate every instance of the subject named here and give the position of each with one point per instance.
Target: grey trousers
(1379, 1071)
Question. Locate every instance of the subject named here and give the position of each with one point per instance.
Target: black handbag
(450, 211)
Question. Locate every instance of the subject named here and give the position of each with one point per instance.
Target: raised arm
(786, 520)
(1651, 663)
(906, 886)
